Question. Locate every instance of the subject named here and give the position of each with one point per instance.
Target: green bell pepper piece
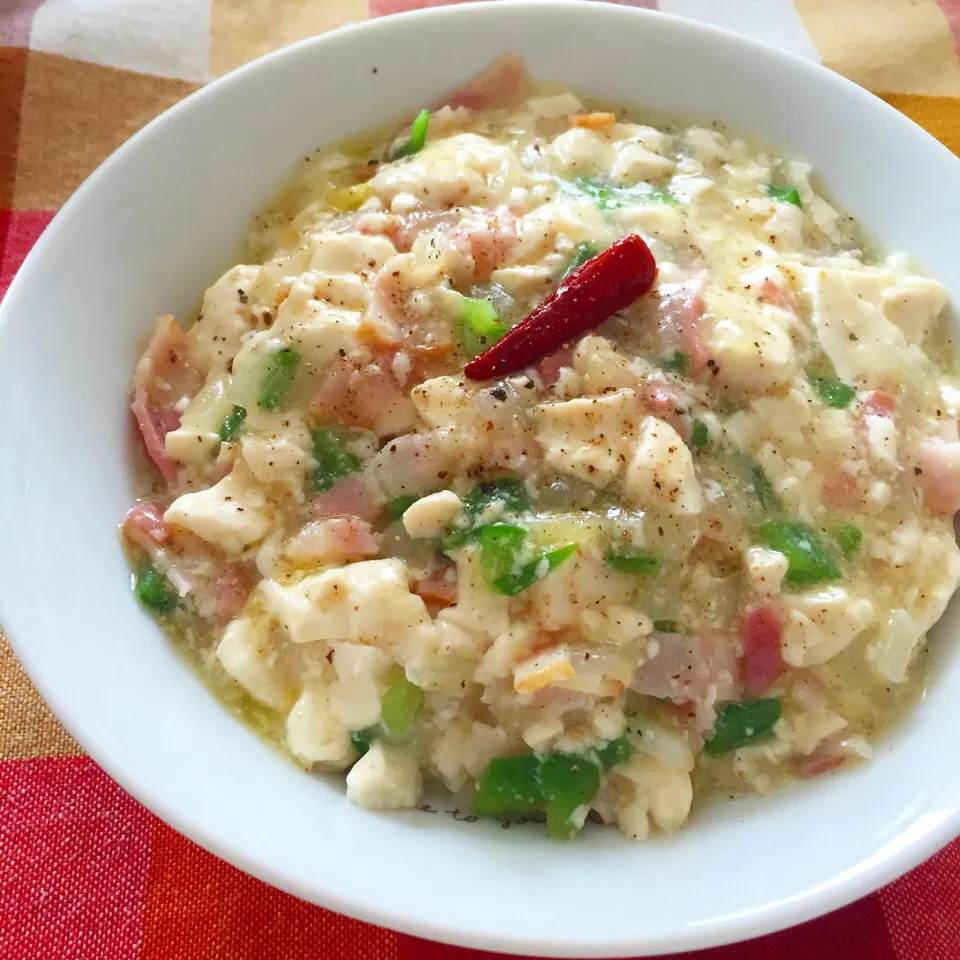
(398, 506)
(699, 436)
(154, 591)
(785, 195)
(509, 785)
(399, 704)
(362, 740)
(741, 724)
(233, 424)
(418, 136)
(479, 326)
(849, 537)
(569, 782)
(833, 392)
(615, 752)
(278, 372)
(333, 459)
(583, 253)
(634, 561)
(808, 560)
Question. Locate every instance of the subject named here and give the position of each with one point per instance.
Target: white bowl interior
(151, 230)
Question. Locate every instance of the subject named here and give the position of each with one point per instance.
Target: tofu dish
(577, 465)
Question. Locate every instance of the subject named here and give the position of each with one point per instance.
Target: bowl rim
(867, 877)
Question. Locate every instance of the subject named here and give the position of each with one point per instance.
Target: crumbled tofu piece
(350, 253)
(589, 437)
(892, 650)
(882, 439)
(429, 516)
(661, 796)
(232, 514)
(314, 734)
(553, 107)
(582, 152)
(748, 343)
(707, 146)
(355, 694)
(365, 602)
(634, 163)
(276, 459)
(385, 778)
(863, 345)
(765, 569)
(192, 446)
(539, 671)
(465, 169)
(247, 653)
(225, 316)
(821, 624)
(912, 303)
(661, 473)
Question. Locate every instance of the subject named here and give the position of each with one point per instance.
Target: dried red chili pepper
(605, 284)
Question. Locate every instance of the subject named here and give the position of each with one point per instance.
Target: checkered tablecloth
(85, 871)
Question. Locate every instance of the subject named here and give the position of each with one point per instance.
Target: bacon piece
(679, 315)
(232, 586)
(939, 475)
(701, 671)
(880, 403)
(550, 367)
(351, 496)
(144, 525)
(163, 376)
(155, 423)
(335, 539)
(762, 662)
(503, 84)
(840, 489)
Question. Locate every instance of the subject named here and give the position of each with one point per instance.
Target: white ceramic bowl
(150, 230)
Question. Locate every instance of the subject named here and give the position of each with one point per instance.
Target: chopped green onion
(480, 327)
(418, 136)
(678, 362)
(849, 537)
(584, 252)
(363, 739)
(505, 561)
(666, 626)
(233, 424)
(661, 196)
(507, 491)
(699, 436)
(833, 392)
(278, 373)
(741, 724)
(501, 549)
(569, 783)
(399, 704)
(601, 195)
(154, 591)
(333, 459)
(615, 752)
(808, 559)
(398, 506)
(755, 479)
(509, 785)
(613, 198)
(785, 195)
(535, 570)
(634, 561)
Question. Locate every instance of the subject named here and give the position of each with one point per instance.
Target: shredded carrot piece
(593, 121)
